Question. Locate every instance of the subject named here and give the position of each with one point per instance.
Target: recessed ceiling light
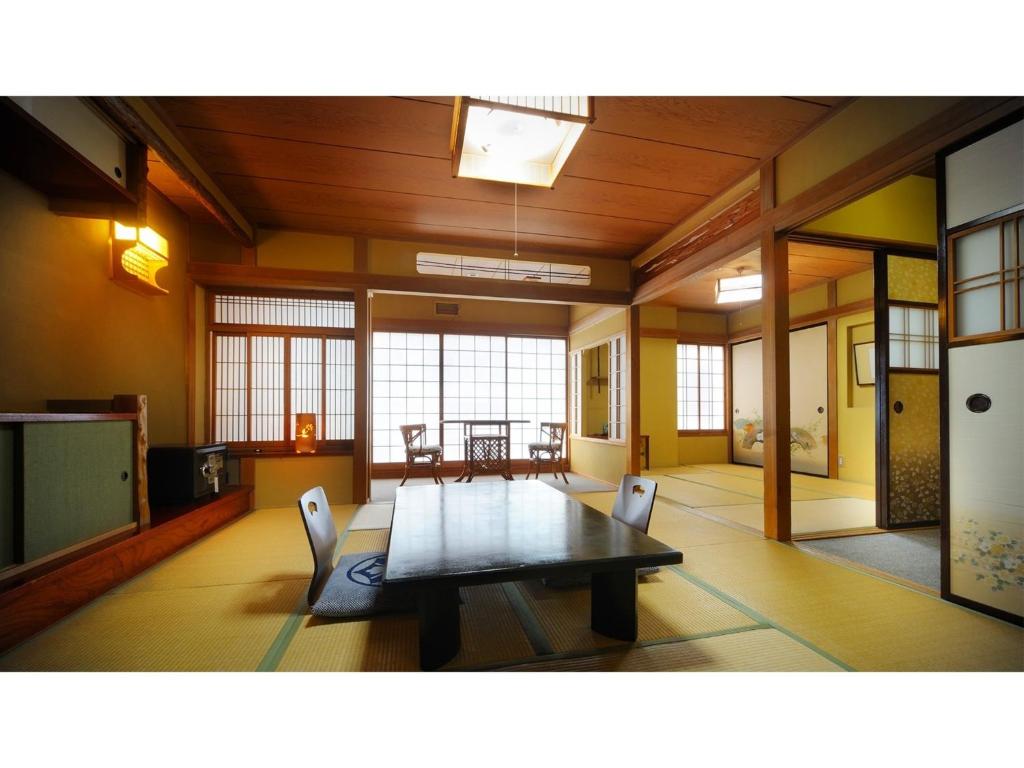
(519, 140)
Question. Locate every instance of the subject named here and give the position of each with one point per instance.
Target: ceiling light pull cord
(515, 215)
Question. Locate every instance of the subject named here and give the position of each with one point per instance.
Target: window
(913, 337)
(576, 393)
(987, 279)
(406, 390)
(275, 356)
(700, 387)
(481, 377)
(616, 388)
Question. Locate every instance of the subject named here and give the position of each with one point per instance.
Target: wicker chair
(549, 452)
(419, 455)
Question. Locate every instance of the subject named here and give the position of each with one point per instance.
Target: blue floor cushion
(355, 588)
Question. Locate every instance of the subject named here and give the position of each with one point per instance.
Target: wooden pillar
(139, 405)
(633, 462)
(775, 348)
(832, 330)
(361, 436)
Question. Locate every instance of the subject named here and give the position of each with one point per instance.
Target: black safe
(179, 474)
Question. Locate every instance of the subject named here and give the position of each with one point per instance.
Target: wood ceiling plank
(341, 166)
(833, 253)
(826, 268)
(273, 194)
(164, 180)
(626, 160)
(449, 235)
(753, 126)
(382, 123)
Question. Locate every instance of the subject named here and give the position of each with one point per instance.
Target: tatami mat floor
(236, 601)
(733, 493)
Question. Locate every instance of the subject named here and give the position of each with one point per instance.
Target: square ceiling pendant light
(729, 290)
(517, 139)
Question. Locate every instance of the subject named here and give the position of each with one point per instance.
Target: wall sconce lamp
(305, 433)
(136, 255)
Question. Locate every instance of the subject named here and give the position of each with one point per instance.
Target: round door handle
(898, 406)
(979, 403)
(124, 476)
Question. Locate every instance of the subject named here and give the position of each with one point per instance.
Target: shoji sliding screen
(982, 269)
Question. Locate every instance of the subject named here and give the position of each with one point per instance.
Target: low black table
(448, 536)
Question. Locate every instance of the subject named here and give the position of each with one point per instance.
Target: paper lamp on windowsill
(305, 433)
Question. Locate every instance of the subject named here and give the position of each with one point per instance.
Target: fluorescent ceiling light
(729, 290)
(519, 140)
(513, 270)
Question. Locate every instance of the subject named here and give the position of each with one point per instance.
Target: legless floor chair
(352, 586)
(633, 506)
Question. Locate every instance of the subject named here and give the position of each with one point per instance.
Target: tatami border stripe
(759, 617)
(624, 646)
(531, 625)
(277, 649)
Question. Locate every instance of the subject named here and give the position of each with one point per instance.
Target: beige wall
(71, 332)
(280, 481)
(395, 306)
(856, 416)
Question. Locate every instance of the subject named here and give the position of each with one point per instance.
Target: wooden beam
(775, 350)
(811, 318)
(236, 275)
(832, 330)
(361, 443)
(877, 169)
(142, 119)
(634, 464)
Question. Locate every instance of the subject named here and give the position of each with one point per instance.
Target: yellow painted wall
(658, 317)
(658, 399)
(855, 288)
(902, 211)
(600, 331)
(702, 322)
(211, 243)
(860, 128)
(599, 459)
(404, 307)
(856, 414)
(706, 449)
(280, 481)
(304, 250)
(69, 331)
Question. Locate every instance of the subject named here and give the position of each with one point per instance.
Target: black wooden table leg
(439, 626)
(613, 604)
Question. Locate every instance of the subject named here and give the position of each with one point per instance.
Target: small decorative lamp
(305, 433)
(136, 255)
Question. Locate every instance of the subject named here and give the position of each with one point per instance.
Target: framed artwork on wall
(864, 363)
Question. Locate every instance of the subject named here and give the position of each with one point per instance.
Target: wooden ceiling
(809, 265)
(381, 167)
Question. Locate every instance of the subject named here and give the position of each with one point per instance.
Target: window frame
(900, 304)
(1004, 275)
(580, 383)
(392, 326)
(215, 330)
(723, 344)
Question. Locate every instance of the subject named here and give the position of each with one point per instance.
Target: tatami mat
(669, 606)
(869, 623)
(751, 487)
(366, 541)
(372, 516)
(826, 485)
(692, 494)
(807, 516)
(225, 628)
(756, 650)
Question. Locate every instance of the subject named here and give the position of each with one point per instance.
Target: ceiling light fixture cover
(517, 139)
(729, 290)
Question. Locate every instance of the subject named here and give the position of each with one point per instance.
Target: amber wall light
(136, 255)
(305, 433)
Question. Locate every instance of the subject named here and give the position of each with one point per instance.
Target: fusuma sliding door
(982, 268)
(808, 371)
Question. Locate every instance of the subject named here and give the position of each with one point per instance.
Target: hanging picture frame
(864, 363)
